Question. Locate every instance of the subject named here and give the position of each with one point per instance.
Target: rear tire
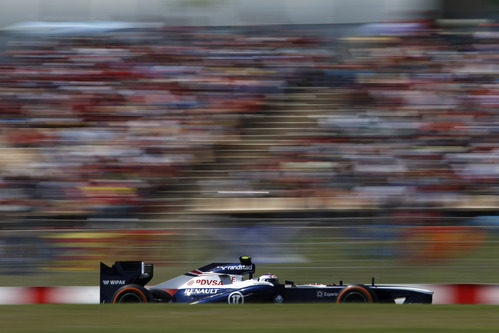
(132, 293)
(355, 294)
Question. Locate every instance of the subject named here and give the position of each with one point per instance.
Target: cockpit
(269, 277)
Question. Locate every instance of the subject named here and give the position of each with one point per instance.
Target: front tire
(132, 293)
(355, 294)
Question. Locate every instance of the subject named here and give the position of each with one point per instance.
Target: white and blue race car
(125, 282)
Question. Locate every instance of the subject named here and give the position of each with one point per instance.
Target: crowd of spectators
(135, 121)
(109, 124)
(406, 117)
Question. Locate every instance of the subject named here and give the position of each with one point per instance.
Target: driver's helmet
(269, 277)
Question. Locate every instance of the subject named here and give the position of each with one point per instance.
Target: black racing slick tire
(355, 294)
(160, 296)
(132, 293)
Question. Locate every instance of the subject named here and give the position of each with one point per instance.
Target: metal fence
(318, 249)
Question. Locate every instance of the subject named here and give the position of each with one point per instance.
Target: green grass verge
(146, 318)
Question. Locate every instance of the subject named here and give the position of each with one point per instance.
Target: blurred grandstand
(154, 127)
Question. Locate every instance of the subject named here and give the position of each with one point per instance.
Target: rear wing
(120, 274)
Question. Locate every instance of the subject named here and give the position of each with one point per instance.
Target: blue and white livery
(233, 283)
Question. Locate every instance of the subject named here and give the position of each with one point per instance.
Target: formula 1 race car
(125, 282)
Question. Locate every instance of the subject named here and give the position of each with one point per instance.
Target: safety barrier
(49, 295)
(443, 294)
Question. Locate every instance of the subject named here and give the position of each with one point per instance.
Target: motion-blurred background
(327, 139)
